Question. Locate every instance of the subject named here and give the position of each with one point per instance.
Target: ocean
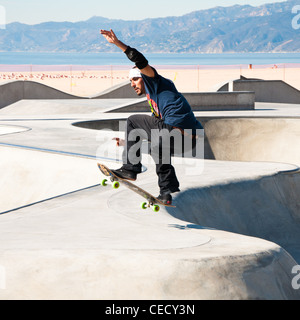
(163, 59)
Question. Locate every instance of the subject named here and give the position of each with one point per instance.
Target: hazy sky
(36, 11)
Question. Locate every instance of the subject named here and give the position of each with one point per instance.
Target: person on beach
(170, 111)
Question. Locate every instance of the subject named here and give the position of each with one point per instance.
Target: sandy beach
(88, 82)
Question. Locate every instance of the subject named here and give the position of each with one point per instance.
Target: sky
(37, 11)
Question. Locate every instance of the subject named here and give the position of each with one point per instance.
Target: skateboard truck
(115, 184)
(148, 205)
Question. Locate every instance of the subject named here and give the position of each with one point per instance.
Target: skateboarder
(171, 111)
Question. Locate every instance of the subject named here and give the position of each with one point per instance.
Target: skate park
(233, 235)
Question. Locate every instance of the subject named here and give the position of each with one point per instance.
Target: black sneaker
(165, 198)
(125, 174)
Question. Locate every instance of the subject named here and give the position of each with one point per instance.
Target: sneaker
(165, 198)
(125, 174)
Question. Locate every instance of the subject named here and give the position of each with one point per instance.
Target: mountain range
(239, 28)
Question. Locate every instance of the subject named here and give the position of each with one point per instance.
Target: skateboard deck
(152, 202)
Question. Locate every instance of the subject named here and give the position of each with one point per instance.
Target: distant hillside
(266, 28)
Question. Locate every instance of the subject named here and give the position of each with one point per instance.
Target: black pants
(140, 127)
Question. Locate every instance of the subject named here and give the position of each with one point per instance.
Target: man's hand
(111, 37)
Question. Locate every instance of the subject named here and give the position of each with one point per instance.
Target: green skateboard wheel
(144, 205)
(104, 183)
(116, 185)
(156, 208)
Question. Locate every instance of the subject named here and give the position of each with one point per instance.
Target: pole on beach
(71, 76)
(111, 76)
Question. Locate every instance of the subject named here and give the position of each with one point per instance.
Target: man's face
(138, 85)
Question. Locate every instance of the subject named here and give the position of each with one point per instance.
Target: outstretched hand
(110, 36)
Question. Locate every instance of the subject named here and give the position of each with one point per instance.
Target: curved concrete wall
(242, 95)
(199, 101)
(253, 139)
(266, 208)
(276, 91)
(237, 139)
(123, 91)
(204, 101)
(48, 175)
(12, 92)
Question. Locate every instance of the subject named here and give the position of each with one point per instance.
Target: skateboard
(152, 202)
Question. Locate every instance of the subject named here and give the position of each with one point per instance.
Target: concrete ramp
(266, 208)
(14, 91)
(274, 91)
(97, 244)
(199, 101)
(121, 91)
(89, 242)
(254, 139)
(31, 176)
(56, 109)
(203, 101)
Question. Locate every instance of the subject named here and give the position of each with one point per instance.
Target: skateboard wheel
(104, 183)
(116, 185)
(144, 205)
(156, 208)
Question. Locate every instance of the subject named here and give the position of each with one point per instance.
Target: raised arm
(132, 54)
